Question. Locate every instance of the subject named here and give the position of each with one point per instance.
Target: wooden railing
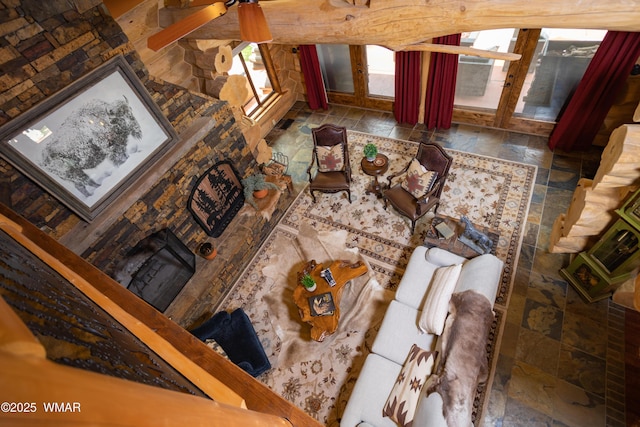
(31, 381)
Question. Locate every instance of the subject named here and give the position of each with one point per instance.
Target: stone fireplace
(50, 45)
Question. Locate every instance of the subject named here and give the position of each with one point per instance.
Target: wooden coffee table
(453, 245)
(321, 308)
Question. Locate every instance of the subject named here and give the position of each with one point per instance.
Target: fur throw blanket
(463, 357)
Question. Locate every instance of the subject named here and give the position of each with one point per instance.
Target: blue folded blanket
(237, 337)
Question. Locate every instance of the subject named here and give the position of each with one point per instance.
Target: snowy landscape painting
(89, 143)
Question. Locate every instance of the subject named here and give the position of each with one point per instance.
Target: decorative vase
(207, 250)
(371, 159)
(312, 288)
(260, 194)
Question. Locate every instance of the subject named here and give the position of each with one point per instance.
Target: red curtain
(602, 81)
(441, 85)
(407, 87)
(316, 93)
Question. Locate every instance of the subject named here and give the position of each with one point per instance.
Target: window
(480, 80)
(524, 95)
(363, 76)
(335, 63)
(253, 61)
(381, 71)
(564, 55)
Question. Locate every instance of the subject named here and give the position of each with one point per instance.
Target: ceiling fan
(253, 25)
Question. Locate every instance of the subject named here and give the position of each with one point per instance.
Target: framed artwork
(90, 142)
(216, 198)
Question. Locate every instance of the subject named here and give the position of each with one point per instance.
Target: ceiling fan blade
(183, 27)
(253, 25)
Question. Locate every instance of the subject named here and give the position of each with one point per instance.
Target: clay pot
(207, 250)
(260, 194)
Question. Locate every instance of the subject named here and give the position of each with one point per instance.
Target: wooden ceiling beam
(180, 29)
(400, 23)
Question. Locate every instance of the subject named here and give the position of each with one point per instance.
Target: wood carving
(398, 23)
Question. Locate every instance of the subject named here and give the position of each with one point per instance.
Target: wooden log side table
(378, 167)
(321, 308)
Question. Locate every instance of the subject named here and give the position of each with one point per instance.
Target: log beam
(397, 23)
(460, 50)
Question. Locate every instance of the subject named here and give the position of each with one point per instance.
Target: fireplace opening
(157, 268)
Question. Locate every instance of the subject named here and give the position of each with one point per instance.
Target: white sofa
(399, 331)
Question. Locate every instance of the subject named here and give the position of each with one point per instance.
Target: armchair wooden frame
(433, 157)
(329, 135)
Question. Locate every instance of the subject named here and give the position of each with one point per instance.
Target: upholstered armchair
(330, 158)
(420, 183)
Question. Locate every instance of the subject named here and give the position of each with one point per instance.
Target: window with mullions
(252, 61)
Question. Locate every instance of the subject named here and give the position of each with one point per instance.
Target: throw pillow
(330, 159)
(418, 180)
(403, 400)
(213, 345)
(436, 306)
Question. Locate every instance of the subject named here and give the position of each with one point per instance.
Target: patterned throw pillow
(402, 402)
(213, 345)
(330, 158)
(418, 180)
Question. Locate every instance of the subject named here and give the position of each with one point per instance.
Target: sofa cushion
(403, 399)
(399, 331)
(415, 281)
(436, 306)
(441, 258)
(375, 381)
(481, 274)
(429, 411)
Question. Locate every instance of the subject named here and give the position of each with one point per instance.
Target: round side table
(375, 168)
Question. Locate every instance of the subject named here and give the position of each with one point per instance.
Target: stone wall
(46, 46)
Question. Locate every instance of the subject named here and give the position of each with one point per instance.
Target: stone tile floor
(561, 360)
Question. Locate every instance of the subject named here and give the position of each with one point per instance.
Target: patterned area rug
(319, 376)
